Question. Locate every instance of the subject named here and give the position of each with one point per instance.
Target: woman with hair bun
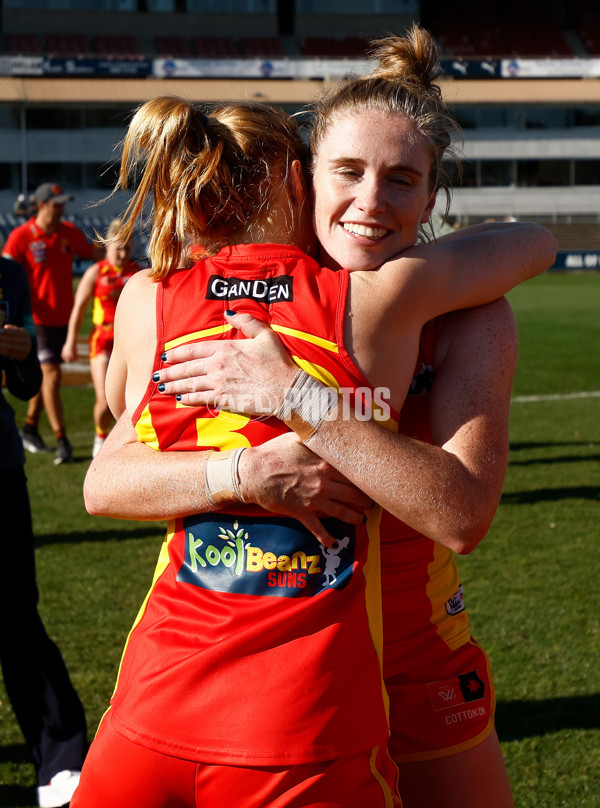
(254, 667)
(440, 479)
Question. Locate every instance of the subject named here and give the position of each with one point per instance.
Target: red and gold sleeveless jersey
(256, 644)
(107, 289)
(423, 607)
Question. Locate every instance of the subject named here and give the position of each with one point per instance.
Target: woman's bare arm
(129, 480)
(448, 491)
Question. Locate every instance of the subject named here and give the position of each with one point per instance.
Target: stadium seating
(576, 235)
(174, 46)
(502, 39)
(269, 47)
(318, 47)
(67, 45)
(589, 31)
(23, 44)
(114, 45)
(216, 47)
(541, 39)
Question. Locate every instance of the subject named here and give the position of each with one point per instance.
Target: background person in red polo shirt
(46, 246)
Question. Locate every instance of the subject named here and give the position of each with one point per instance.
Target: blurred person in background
(46, 706)
(46, 246)
(25, 206)
(104, 282)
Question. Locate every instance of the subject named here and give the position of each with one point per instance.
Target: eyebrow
(340, 161)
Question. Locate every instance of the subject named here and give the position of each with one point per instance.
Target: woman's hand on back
(285, 477)
(247, 376)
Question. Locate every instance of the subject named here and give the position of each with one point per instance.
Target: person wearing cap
(46, 246)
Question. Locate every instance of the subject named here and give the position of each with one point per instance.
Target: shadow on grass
(547, 461)
(118, 533)
(591, 492)
(13, 796)
(516, 720)
(522, 446)
(17, 796)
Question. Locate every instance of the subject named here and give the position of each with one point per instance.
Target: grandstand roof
(134, 91)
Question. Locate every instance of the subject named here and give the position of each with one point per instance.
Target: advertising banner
(550, 68)
(577, 259)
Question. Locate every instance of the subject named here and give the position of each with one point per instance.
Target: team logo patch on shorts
(471, 686)
(456, 603)
(259, 556)
(464, 687)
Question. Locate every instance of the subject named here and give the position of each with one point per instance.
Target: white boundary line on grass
(75, 367)
(555, 397)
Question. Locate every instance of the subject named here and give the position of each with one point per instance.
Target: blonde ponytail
(209, 176)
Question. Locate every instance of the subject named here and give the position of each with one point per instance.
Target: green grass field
(532, 586)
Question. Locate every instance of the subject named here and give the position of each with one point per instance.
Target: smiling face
(371, 189)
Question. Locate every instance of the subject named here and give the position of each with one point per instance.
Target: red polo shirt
(48, 261)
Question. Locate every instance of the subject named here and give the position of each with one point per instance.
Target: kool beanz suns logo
(263, 556)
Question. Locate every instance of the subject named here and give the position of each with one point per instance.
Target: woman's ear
(426, 215)
(299, 189)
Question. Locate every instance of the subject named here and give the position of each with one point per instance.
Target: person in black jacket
(46, 705)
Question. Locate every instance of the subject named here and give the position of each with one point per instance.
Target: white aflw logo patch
(456, 603)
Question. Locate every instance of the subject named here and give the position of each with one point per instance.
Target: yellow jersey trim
(207, 332)
(145, 431)
(293, 332)
(162, 564)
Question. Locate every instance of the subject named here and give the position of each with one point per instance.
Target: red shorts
(102, 340)
(120, 774)
(442, 708)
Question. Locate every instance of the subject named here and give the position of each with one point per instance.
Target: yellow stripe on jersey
(372, 573)
(222, 329)
(293, 332)
(318, 372)
(207, 332)
(385, 789)
(161, 565)
(443, 577)
(145, 429)
(221, 431)
(97, 312)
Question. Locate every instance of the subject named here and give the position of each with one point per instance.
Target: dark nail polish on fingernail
(364, 515)
(163, 357)
(161, 388)
(178, 398)
(230, 312)
(156, 377)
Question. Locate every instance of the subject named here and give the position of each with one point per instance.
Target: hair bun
(412, 57)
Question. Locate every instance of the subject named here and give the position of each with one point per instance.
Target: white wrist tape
(221, 477)
(306, 404)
